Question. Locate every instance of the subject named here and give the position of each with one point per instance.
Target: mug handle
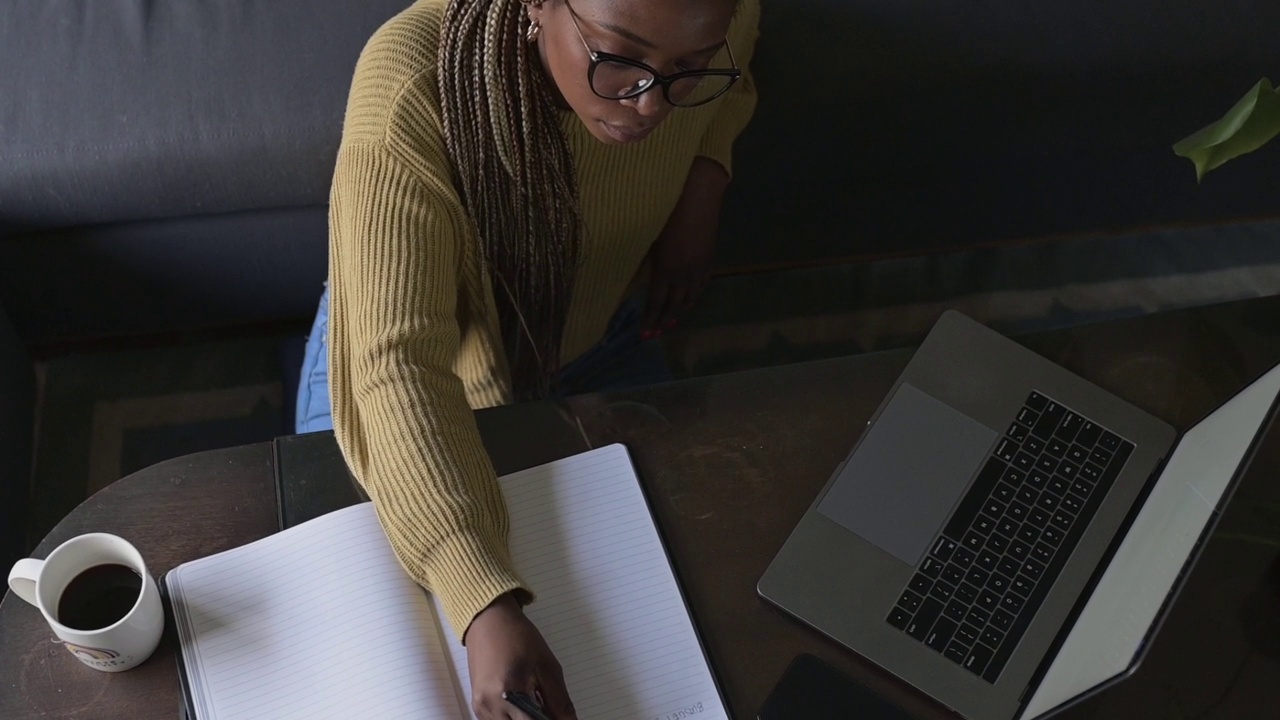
(22, 579)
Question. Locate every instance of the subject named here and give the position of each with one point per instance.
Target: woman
(506, 169)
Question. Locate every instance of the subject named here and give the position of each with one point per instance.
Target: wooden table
(730, 463)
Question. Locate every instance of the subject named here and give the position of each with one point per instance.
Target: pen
(525, 704)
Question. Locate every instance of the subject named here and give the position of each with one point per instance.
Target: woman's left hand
(680, 263)
(680, 260)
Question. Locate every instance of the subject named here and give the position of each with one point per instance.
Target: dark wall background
(890, 126)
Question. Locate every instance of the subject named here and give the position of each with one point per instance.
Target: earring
(535, 27)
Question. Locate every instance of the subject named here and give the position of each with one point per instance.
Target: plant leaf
(1246, 127)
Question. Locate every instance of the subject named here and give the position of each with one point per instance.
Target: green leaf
(1245, 128)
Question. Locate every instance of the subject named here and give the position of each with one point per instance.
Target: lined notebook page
(608, 603)
(316, 621)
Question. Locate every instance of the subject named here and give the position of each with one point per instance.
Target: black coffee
(99, 596)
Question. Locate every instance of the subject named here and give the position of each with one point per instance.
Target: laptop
(1006, 536)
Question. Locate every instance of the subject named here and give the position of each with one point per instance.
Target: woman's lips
(626, 134)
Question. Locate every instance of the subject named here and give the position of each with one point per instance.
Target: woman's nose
(649, 104)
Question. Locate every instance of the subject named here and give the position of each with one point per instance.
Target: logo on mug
(92, 654)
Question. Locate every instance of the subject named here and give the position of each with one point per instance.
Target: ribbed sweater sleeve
(399, 238)
(400, 411)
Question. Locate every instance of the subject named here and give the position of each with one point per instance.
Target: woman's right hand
(505, 652)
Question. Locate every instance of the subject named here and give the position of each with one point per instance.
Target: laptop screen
(1107, 636)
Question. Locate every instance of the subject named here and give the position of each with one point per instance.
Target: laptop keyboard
(989, 570)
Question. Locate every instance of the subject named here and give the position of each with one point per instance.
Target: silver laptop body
(968, 495)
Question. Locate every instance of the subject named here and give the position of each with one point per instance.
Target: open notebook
(321, 621)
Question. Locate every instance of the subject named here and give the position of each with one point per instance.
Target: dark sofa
(165, 165)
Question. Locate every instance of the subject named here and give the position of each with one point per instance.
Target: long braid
(516, 178)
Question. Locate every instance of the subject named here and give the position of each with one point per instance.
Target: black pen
(525, 704)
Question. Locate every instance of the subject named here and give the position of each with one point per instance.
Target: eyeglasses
(614, 77)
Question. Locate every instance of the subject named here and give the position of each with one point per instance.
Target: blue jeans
(619, 361)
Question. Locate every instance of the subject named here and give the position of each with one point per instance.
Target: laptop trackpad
(898, 488)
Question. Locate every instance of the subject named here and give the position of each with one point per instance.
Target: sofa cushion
(117, 110)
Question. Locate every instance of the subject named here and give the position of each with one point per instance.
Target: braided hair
(516, 178)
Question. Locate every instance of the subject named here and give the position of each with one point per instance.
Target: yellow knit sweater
(413, 336)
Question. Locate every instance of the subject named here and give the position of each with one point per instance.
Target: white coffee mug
(118, 646)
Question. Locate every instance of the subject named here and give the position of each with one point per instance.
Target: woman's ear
(533, 8)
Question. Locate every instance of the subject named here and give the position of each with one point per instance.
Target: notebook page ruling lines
(316, 621)
(608, 604)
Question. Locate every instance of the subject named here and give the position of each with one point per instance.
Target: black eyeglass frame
(664, 81)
